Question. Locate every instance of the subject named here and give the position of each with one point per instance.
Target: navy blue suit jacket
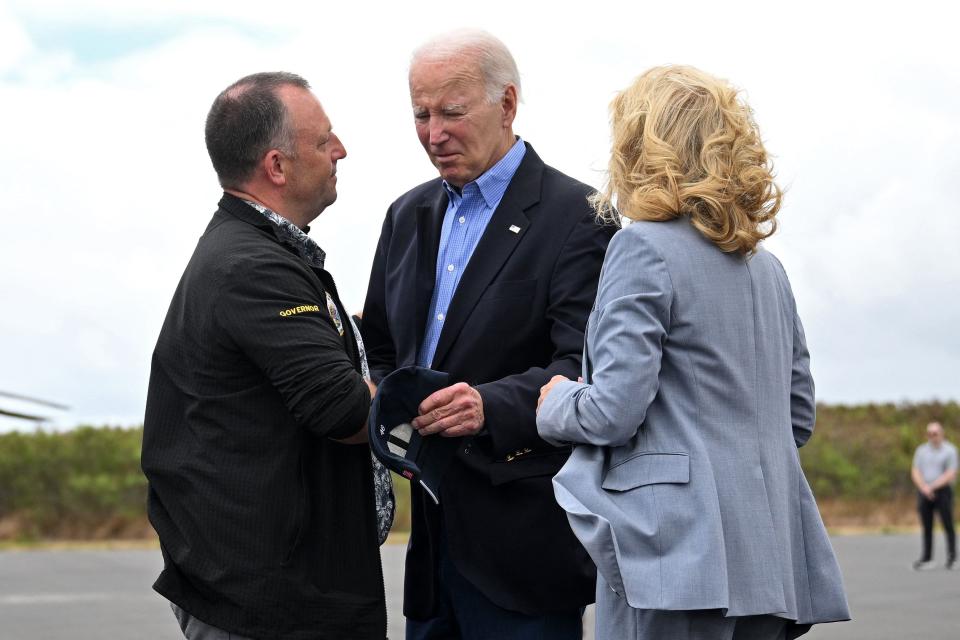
(517, 318)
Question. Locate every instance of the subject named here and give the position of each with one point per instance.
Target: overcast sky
(106, 184)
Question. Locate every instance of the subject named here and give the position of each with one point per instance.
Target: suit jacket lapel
(494, 248)
(429, 224)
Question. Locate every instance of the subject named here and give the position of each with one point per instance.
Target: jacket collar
(239, 209)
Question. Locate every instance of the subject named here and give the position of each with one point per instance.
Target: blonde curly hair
(685, 144)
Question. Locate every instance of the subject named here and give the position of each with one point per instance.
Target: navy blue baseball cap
(395, 442)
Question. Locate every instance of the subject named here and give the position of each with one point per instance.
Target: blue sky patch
(98, 42)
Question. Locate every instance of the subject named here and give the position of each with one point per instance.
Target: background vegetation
(84, 483)
(87, 484)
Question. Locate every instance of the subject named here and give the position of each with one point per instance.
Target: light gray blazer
(685, 486)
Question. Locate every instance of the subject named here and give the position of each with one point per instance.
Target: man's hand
(921, 485)
(454, 411)
(545, 389)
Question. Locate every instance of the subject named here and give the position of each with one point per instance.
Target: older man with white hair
(487, 273)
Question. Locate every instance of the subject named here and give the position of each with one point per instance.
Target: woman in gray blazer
(685, 485)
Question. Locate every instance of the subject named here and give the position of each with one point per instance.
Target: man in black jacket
(260, 486)
(487, 273)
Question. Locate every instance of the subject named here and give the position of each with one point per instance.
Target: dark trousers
(942, 503)
(464, 613)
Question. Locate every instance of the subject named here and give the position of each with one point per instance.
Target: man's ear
(273, 167)
(509, 105)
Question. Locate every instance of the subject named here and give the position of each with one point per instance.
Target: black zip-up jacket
(267, 525)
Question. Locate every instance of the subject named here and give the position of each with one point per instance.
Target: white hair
(494, 61)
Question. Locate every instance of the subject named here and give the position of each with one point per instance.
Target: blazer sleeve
(509, 404)
(302, 354)
(803, 406)
(377, 340)
(627, 332)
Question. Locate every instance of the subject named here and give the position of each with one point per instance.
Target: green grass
(86, 484)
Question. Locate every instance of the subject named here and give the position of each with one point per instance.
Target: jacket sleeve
(509, 404)
(803, 406)
(381, 353)
(274, 313)
(629, 327)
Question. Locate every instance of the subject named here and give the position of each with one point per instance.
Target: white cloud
(15, 44)
(107, 185)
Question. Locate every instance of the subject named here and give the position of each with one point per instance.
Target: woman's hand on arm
(545, 389)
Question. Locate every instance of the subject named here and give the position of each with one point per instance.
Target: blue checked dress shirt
(467, 216)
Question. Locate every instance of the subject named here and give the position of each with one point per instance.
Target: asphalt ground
(87, 595)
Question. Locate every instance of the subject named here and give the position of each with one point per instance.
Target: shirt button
(440, 316)
(462, 219)
(449, 267)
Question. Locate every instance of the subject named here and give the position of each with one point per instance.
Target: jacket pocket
(529, 466)
(302, 516)
(648, 468)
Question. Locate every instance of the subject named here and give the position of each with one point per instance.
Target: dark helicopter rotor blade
(22, 416)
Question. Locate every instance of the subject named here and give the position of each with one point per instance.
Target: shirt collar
(293, 236)
(493, 182)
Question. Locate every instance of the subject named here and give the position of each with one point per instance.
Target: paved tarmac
(87, 595)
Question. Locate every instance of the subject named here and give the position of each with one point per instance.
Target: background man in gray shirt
(934, 473)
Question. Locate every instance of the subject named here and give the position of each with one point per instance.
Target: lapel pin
(514, 228)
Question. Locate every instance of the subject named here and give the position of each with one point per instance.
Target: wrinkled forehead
(435, 77)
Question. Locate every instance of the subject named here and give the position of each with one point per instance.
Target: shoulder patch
(292, 311)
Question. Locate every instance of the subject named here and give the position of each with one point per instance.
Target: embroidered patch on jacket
(334, 314)
(292, 311)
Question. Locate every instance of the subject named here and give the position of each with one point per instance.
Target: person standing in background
(934, 473)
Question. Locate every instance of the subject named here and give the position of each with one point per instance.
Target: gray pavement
(888, 599)
(86, 595)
